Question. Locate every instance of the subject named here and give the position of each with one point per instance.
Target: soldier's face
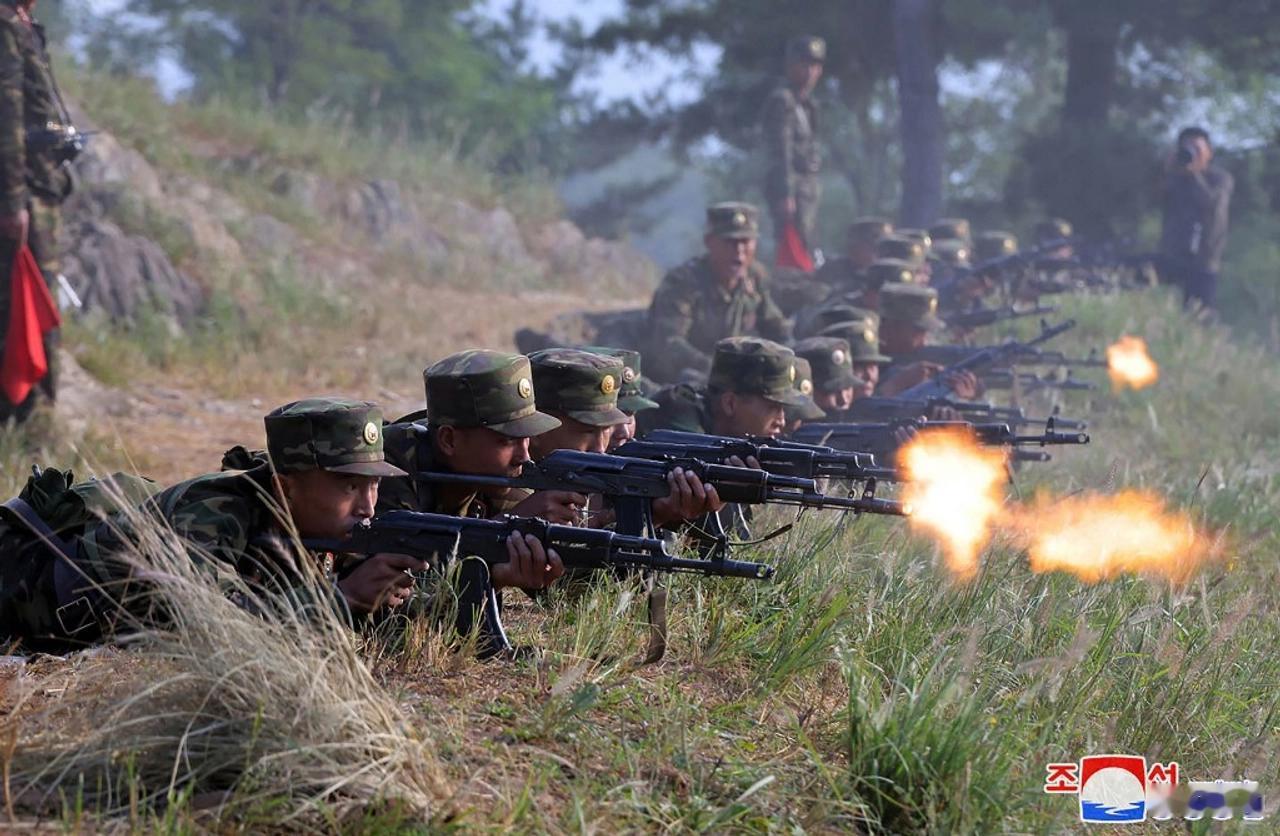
(836, 401)
(571, 435)
(742, 414)
(482, 451)
(730, 257)
(870, 374)
(804, 75)
(328, 505)
(622, 433)
(862, 252)
(897, 337)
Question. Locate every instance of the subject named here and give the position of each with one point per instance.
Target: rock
(311, 192)
(379, 209)
(501, 236)
(271, 236)
(107, 163)
(121, 274)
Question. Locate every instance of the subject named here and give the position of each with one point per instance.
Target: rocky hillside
(228, 262)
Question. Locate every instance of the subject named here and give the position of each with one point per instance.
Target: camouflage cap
(809, 410)
(733, 220)
(831, 361)
(814, 320)
(480, 388)
(869, 229)
(951, 251)
(807, 48)
(755, 366)
(863, 338)
(889, 271)
(994, 244)
(631, 397)
(331, 434)
(579, 384)
(919, 235)
(956, 229)
(912, 303)
(1051, 229)
(901, 248)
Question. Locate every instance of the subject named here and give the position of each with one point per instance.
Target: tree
(915, 38)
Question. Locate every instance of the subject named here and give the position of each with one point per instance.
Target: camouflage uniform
(30, 178)
(229, 521)
(746, 365)
(993, 244)
(790, 126)
(840, 275)
(831, 360)
(474, 388)
(914, 304)
(691, 311)
(951, 229)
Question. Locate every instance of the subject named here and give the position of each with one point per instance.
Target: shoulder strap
(28, 516)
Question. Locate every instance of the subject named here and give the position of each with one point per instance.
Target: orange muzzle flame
(1129, 364)
(955, 491)
(1097, 537)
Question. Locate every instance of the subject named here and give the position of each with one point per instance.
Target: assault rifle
(950, 354)
(881, 437)
(979, 317)
(428, 536)
(889, 409)
(785, 457)
(1027, 382)
(434, 536)
(980, 359)
(632, 484)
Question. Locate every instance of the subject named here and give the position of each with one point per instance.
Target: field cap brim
(789, 398)
(610, 417)
(527, 426)
(631, 404)
(379, 468)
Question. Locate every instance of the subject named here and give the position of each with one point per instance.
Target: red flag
(32, 314)
(792, 253)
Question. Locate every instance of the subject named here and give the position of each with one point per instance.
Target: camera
(1186, 154)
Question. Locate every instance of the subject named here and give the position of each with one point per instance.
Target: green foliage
(411, 66)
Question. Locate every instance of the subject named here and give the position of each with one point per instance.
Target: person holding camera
(1197, 199)
(37, 143)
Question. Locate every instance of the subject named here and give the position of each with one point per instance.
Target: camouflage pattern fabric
(680, 407)
(890, 271)
(410, 446)
(954, 229)
(951, 252)
(808, 410)
(840, 276)
(911, 303)
(582, 385)
(863, 338)
(1052, 229)
(994, 244)
(329, 434)
(30, 178)
(831, 361)
(631, 396)
(480, 388)
(793, 159)
(901, 248)
(811, 322)
(691, 312)
(733, 219)
(27, 101)
(754, 366)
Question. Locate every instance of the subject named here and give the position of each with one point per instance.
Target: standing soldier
(36, 140)
(720, 294)
(790, 125)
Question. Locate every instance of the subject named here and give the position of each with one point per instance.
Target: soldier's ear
(728, 404)
(446, 440)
